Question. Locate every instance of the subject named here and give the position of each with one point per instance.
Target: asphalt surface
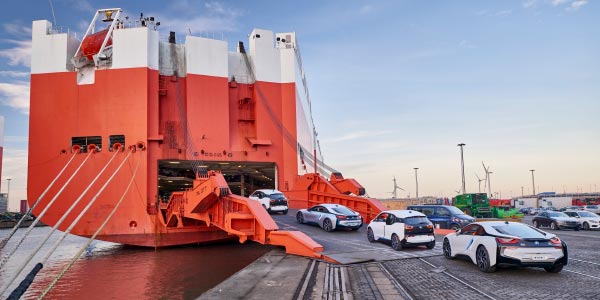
(347, 246)
(425, 274)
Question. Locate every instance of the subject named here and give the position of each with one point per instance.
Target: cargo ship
(194, 127)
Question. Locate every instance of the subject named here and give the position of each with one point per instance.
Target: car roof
(403, 213)
(268, 191)
(330, 205)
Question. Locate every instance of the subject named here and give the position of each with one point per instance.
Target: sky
(395, 85)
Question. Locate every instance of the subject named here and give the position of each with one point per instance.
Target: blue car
(444, 216)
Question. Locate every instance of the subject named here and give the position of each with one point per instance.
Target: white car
(489, 244)
(330, 217)
(588, 220)
(592, 208)
(271, 200)
(402, 228)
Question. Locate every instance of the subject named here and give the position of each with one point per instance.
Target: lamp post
(462, 167)
(522, 191)
(490, 184)
(417, 183)
(533, 180)
(8, 190)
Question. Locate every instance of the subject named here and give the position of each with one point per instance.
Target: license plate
(539, 258)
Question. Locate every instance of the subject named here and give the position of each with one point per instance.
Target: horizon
(395, 85)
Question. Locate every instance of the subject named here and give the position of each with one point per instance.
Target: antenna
(396, 187)
(53, 16)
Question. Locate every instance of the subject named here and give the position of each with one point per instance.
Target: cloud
(571, 5)
(575, 5)
(82, 5)
(466, 44)
(529, 3)
(15, 95)
(211, 17)
(504, 12)
(16, 138)
(14, 74)
(559, 2)
(365, 9)
(20, 54)
(17, 29)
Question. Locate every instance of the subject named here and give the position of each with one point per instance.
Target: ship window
(113, 139)
(84, 141)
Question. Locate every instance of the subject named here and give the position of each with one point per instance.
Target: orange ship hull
(156, 114)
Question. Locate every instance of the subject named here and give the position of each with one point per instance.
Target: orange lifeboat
(92, 43)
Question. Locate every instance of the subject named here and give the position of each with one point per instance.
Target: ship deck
(347, 246)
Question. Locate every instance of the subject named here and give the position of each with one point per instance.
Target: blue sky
(395, 84)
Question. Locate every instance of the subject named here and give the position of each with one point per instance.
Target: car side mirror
(578, 217)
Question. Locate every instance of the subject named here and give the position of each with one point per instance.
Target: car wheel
(554, 269)
(483, 260)
(396, 243)
(536, 224)
(370, 235)
(285, 212)
(447, 250)
(586, 226)
(553, 226)
(430, 245)
(454, 227)
(300, 218)
(327, 226)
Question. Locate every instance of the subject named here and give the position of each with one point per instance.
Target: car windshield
(342, 210)
(554, 214)
(416, 220)
(455, 210)
(479, 199)
(521, 231)
(587, 214)
(277, 196)
(592, 206)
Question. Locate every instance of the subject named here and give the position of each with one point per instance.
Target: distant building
(24, 206)
(3, 202)
(556, 200)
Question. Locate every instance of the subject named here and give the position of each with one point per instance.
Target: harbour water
(113, 271)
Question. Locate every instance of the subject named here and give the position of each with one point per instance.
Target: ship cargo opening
(242, 177)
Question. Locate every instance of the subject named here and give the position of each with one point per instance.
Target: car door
(391, 225)
(443, 217)
(464, 239)
(311, 214)
(378, 225)
(543, 218)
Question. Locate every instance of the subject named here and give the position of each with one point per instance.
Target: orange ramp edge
(296, 242)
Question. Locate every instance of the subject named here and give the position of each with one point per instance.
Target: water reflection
(113, 271)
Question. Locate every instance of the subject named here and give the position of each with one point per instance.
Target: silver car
(330, 217)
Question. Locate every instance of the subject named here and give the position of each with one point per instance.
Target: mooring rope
(28, 213)
(37, 220)
(79, 216)
(90, 240)
(63, 217)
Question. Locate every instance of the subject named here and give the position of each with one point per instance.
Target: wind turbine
(479, 181)
(487, 176)
(396, 187)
